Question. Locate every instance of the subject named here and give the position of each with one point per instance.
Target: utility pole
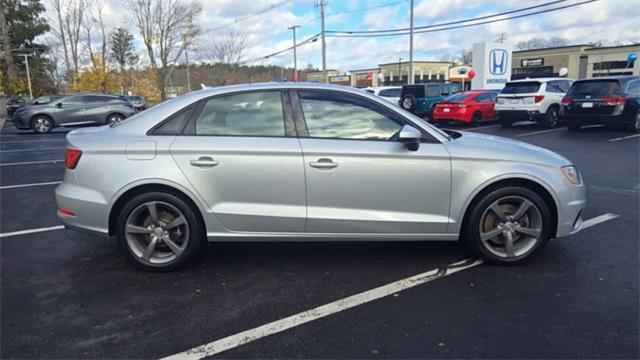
(502, 37)
(400, 71)
(186, 55)
(26, 61)
(322, 4)
(411, 77)
(295, 55)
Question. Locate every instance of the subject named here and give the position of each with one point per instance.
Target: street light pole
(26, 61)
(295, 55)
(400, 70)
(321, 4)
(411, 77)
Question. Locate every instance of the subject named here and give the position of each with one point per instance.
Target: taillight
(566, 101)
(66, 212)
(613, 100)
(71, 158)
(539, 98)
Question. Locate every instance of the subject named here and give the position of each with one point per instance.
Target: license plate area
(587, 105)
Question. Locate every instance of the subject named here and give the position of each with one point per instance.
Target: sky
(265, 24)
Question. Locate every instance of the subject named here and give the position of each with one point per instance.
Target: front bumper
(21, 122)
(572, 201)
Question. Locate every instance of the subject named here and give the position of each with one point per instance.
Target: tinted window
(485, 98)
(330, 115)
(99, 98)
(555, 87)
(415, 90)
(595, 88)
(391, 92)
(252, 114)
(75, 100)
(175, 124)
(370, 91)
(455, 88)
(444, 90)
(432, 91)
(634, 88)
(458, 97)
(523, 87)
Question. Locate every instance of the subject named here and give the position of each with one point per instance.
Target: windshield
(595, 88)
(134, 98)
(522, 87)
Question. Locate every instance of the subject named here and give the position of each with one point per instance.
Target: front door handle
(204, 162)
(323, 163)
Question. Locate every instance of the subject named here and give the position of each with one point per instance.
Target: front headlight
(571, 173)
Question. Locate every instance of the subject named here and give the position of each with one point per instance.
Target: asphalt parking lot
(66, 294)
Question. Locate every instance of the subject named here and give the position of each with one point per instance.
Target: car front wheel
(159, 231)
(509, 226)
(42, 124)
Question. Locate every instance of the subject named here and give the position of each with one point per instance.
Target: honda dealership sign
(492, 63)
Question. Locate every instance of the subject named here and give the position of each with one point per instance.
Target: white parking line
(43, 149)
(32, 162)
(245, 337)
(31, 231)
(624, 138)
(29, 185)
(482, 127)
(541, 132)
(319, 312)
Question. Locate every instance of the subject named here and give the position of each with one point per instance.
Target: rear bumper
(89, 206)
(533, 115)
(595, 119)
(438, 115)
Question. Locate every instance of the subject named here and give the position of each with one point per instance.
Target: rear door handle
(323, 163)
(204, 162)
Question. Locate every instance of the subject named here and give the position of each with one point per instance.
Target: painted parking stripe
(245, 337)
(43, 149)
(29, 185)
(32, 162)
(599, 220)
(624, 138)
(541, 132)
(483, 127)
(319, 312)
(31, 231)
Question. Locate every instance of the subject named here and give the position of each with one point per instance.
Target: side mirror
(59, 105)
(410, 136)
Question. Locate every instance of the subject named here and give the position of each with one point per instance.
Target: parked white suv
(389, 93)
(532, 99)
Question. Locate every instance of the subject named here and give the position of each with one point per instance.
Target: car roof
(382, 87)
(542, 79)
(620, 77)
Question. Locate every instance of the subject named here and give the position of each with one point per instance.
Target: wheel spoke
(177, 250)
(133, 229)
(153, 212)
(535, 233)
(496, 209)
(508, 245)
(149, 250)
(176, 222)
(485, 236)
(526, 204)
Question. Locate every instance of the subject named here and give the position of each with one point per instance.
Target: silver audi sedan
(309, 162)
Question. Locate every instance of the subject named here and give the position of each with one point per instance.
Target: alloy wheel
(511, 227)
(42, 125)
(407, 103)
(115, 119)
(157, 232)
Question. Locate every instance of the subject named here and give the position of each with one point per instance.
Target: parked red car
(472, 107)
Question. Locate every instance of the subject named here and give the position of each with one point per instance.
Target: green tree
(21, 23)
(122, 51)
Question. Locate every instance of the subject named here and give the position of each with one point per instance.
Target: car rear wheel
(408, 102)
(551, 117)
(42, 124)
(634, 125)
(114, 118)
(476, 119)
(159, 232)
(509, 226)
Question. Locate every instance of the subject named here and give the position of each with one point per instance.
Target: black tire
(505, 122)
(114, 118)
(551, 117)
(472, 229)
(476, 119)
(408, 102)
(195, 246)
(42, 124)
(573, 125)
(633, 125)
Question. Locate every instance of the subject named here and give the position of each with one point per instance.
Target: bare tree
(167, 27)
(539, 43)
(95, 21)
(466, 56)
(228, 49)
(59, 31)
(68, 24)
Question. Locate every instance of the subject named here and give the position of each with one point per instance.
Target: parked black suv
(614, 101)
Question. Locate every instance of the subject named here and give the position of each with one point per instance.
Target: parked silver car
(72, 110)
(309, 161)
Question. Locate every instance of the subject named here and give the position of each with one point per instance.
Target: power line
(304, 42)
(466, 25)
(241, 19)
(448, 23)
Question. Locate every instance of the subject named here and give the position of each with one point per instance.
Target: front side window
(444, 90)
(249, 114)
(74, 100)
(341, 116)
(432, 91)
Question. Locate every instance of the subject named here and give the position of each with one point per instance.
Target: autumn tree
(122, 51)
(167, 28)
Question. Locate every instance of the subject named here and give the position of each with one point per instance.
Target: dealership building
(582, 61)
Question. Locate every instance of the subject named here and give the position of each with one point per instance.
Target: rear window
(391, 92)
(458, 97)
(523, 87)
(595, 88)
(415, 90)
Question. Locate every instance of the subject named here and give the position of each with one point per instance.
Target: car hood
(489, 147)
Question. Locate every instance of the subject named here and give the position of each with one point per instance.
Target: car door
(70, 111)
(241, 155)
(359, 178)
(97, 108)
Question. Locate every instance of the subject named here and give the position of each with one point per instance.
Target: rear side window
(415, 90)
(391, 92)
(485, 98)
(559, 86)
(176, 123)
(249, 114)
(458, 97)
(595, 88)
(523, 87)
(432, 91)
